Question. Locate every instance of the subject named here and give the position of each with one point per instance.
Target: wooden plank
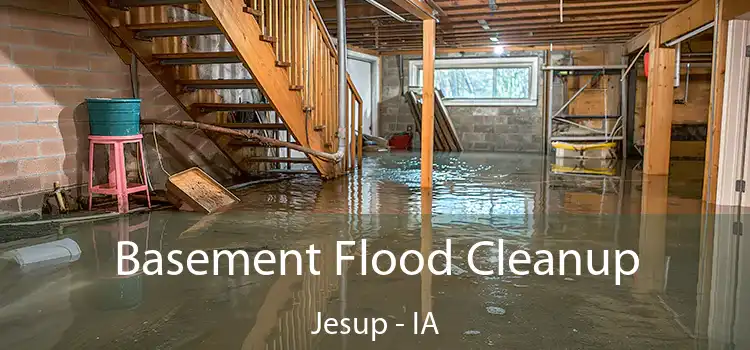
(218, 83)
(215, 107)
(449, 123)
(636, 44)
(713, 140)
(428, 100)
(659, 107)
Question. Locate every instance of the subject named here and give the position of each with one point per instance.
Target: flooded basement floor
(690, 292)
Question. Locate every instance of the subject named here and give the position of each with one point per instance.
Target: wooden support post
(716, 108)
(652, 236)
(659, 106)
(428, 100)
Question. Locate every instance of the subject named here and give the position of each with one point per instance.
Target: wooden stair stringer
(244, 34)
(107, 19)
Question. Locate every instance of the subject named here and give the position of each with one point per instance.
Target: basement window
(497, 81)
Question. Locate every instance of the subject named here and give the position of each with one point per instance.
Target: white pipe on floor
(62, 251)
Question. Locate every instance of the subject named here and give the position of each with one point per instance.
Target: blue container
(114, 116)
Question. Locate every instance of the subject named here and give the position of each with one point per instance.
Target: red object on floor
(400, 141)
(646, 60)
(118, 182)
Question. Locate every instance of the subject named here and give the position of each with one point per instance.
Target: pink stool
(118, 183)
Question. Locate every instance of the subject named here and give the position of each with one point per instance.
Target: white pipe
(62, 251)
(690, 35)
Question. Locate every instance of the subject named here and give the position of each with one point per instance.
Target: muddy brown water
(692, 290)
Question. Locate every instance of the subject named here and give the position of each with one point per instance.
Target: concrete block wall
(480, 128)
(51, 59)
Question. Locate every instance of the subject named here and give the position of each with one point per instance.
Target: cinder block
(54, 77)
(70, 96)
(8, 170)
(12, 151)
(54, 113)
(16, 36)
(17, 186)
(39, 165)
(24, 56)
(17, 114)
(71, 60)
(16, 76)
(52, 40)
(10, 205)
(51, 147)
(32, 202)
(33, 95)
(37, 132)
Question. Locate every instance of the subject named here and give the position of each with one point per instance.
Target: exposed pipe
(380, 7)
(343, 87)
(690, 35)
(678, 56)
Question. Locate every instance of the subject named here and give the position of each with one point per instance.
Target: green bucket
(114, 116)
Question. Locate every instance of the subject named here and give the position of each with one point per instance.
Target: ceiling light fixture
(494, 39)
(484, 24)
(498, 50)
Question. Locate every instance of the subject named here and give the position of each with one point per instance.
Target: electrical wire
(158, 154)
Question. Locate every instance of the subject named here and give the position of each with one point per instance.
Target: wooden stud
(359, 134)
(659, 107)
(716, 110)
(428, 100)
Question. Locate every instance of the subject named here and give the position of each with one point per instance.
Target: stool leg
(91, 172)
(112, 177)
(143, 171)
(121, 178)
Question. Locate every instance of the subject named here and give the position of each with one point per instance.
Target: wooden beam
(716, 106)
(659, 106)
(489, 49)
(428, 100)
(688, 18)
(362, 50)
(639, 41)
(734, 8)
(418, 8)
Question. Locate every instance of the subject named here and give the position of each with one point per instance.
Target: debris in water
(457, 271)
(472, 332)
(495, 310)
(520, 285)
(392, 317)
(569, 279)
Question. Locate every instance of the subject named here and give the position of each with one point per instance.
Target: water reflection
(690, 291)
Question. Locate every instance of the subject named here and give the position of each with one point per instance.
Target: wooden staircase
(283, 45)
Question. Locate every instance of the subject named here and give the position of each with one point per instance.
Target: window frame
(531, 62)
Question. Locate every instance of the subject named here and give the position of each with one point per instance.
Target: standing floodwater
(688, 292)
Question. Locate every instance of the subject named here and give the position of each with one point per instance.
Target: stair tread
(170, 25)
(171, 29)
(256, 126)
(145, 3)
(279, 159)
(218, 83)
(233, 106)
(197, 57)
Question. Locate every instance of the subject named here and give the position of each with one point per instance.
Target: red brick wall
(51, 59)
